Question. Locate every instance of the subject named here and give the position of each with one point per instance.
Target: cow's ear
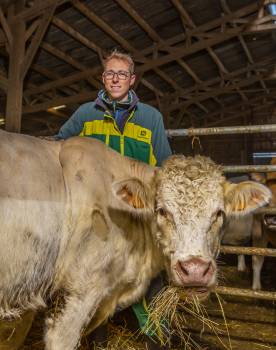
(245, 197)
(134, 195)
(259, 177)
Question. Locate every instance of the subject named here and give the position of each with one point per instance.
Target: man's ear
(245, 197)
(132, 79)
(134, 195)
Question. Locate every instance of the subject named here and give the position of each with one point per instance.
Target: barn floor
(251, 323)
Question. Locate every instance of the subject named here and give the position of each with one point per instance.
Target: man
(130, 127)
(118, 118)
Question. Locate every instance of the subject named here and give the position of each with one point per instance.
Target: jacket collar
(106, 103)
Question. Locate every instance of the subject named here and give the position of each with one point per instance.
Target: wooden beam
(191, 49)
(75, 34)
(32, 28)
(211, 25)
(63, 81)
(37, 9)
(211, 52)
(204, 28)
(215, 92)
(71, 61)
(155, 37)
(81, 97)
(242, 113)
(3, 82)
(104, 26)
(6, 27)
(248, 54)
(36, 41)
(15, 79)
(85, 10)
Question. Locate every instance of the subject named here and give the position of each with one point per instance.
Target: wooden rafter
(88, 43)
(3, 82)
(232, 109)
(248, 54)
(124, 43)
(215, 83)
(155, 37)
(6, 27)
(203, 29)
(212, 24)
(70, 60)
(81, 97)
(38, 9)
(61, 82)
(15, 79)
(216, 91)
(242, 113)
(223, 70)
(36, 40)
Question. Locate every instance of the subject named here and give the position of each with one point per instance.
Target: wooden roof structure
(201, 62)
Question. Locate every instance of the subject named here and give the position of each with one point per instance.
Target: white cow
(77, 216)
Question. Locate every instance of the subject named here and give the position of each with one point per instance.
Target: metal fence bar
(248, 293)
(248, 168)
(223, 130)
(248, 251)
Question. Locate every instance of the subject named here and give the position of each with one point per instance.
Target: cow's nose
(195, 272)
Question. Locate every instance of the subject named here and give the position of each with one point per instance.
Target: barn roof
(201, 62)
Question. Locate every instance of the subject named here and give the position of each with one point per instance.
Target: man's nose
(115, 77)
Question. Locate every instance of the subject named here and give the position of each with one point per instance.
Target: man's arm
(161, 146)
(73, 126)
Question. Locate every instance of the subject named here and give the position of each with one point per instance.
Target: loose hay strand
(224, 318)
(165, 315)
(120, 338)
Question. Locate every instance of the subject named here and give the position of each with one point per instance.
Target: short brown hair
(115, 54)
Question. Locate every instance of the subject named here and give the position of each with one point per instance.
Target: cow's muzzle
(196, 272)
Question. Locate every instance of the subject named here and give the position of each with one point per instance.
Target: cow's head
(190, 199)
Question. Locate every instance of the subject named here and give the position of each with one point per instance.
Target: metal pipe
(248, 168)
(223, 130)
(248, 293)
(248, 251)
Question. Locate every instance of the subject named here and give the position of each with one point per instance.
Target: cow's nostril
(183, 269)
(207, 269)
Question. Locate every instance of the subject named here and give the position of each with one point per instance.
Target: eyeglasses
(122, 75)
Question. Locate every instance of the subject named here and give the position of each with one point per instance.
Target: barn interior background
(203, 63)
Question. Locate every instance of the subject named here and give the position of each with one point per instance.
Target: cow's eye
(162, 212)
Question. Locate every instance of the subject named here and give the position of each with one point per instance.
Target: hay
(167, 317)
(120, 338)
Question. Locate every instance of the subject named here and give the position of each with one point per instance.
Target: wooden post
(15, 78)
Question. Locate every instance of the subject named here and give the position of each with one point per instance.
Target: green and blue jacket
(132, 128)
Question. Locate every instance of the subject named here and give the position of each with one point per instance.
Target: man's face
(117, 85)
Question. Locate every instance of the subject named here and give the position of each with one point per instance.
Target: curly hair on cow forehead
(116, 54)
(192, 167)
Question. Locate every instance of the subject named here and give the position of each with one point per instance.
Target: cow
(76, 216)
(264, 226)
(238, 230)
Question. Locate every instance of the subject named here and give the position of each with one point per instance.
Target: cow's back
(31, 206)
